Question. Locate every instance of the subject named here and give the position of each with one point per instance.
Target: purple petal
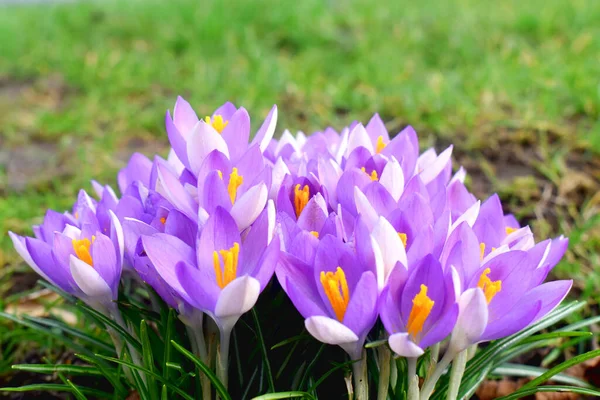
(265, 132)
(237, 132)
(201, 288)
(361, 312)
(219, 233)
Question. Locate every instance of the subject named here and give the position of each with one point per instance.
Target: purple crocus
(223, 274)
(418, 309)
(77, 253)
(335, 294)
(227, 130)
(507, 293)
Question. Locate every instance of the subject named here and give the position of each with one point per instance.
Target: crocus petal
(365, 209)
(434, 169)
(392, 178)
(267, 129)
(21, 248)
(184, 116)
(472, 320)
(89, 281)
(237, 132)
(359, 138)
(391, 246)
(201, 142)
(404, 346)
(247, 208)
(329, 331)
(238, 297)
(362, 309)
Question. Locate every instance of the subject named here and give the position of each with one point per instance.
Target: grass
(513, 85)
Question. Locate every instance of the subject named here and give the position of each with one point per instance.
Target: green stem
(430, 382)
(413, 379)
(223, 357)
(435, 357)
(394, 375)
(471, 352)
(458, 369)
(385, 356)
(359, 371)
(195, 328)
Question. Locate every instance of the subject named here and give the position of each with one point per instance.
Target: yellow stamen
(220, 174)
(403, 237)
(421, 309)
(336, 290)
(216, 122)
(300, 198)
(481, 250)
(379, 146)
(76, 215)
(230, 263)
(373, 175)
(163, 220)
(235, 181)
(82, 250)
(490, 288)
(510, 230)
(315, 234)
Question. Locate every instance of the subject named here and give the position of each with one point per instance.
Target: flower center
(230, 263)
(235, 182)
(403, 238)
(379, 145)
(163, 220)
(510, 230)
(82, 250)
(216, 122)
(373, 175)
(490, 289)
(336, 290)
(315, 234)
(421, 309)
(300, 198)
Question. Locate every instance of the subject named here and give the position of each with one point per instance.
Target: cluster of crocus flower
(356, 226)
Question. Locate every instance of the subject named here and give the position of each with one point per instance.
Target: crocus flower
(418, 309)
(336, 295)
(77, 254)
(223, 274)
(227, 130)
(507, 293)
(241, 187)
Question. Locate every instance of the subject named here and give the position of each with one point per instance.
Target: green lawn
(513, 84)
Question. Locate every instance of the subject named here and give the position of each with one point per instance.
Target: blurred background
(515, 85)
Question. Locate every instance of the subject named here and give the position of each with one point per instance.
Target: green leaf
(326, 374)
(167, 343)
(76, 392)
(102, 366)
(560, 367)
(284, 395)
(263, 349)
(531, 371)
(57, 387)
(554, 335)
(148, 360)
(147, 372)
(216, 382)
(110, 323)
(60, 368)
(376, 343)
(554, 389)
(75, 332)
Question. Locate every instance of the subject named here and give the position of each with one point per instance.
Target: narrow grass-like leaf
(376, 343)
(148, 372)
(75, 332)
(60, 368)
(221, 391)
(287, 359)
(110, 323)
(551, 389)
(263, 348)
(47, 332)
(284, 395)
(76, 392)
(113, 378)
(326, 375)
(560, 367)
(57, 387)
(289, 340)
(167, 342)
(554, 335)
(531, 371)
(310, 366)
(148, 360)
